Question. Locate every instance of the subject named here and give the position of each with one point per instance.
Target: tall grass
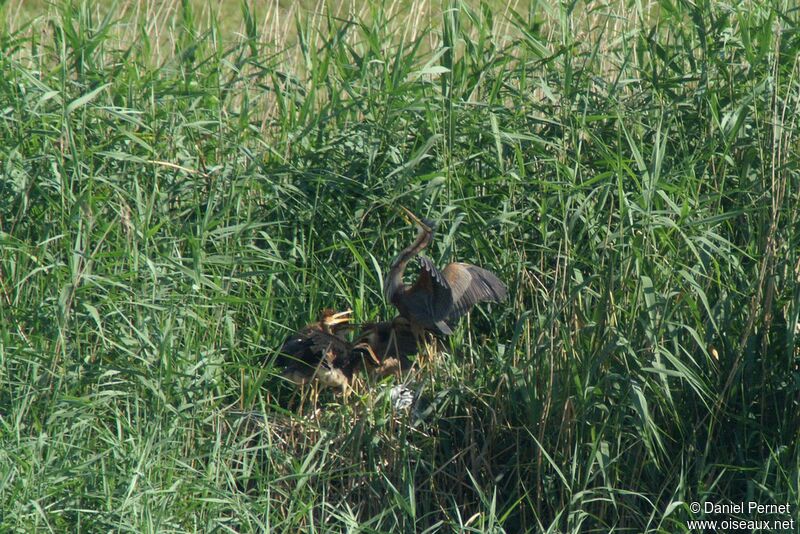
(177, 195)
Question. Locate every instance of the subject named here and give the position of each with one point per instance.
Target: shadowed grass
(174, 203)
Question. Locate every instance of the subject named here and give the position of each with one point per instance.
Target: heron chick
(305, 356)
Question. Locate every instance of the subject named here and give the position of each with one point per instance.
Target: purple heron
(304, 357)
(437, 299)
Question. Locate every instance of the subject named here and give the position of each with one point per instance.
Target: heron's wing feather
(469, 285)
(430, 297)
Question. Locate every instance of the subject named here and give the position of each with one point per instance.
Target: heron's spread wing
(469, 285)
(430, 299)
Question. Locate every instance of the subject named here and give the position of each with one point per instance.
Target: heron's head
(332, 318)
(423, 223)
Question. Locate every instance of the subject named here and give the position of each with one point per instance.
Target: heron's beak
(339, 317)
(413, 219)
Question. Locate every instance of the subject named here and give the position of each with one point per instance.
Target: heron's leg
(393, 343)
(315, 388)
(427, 352)
(404, 365)
(434, 344)
(430, 346)
(419, 340)
(303, 394)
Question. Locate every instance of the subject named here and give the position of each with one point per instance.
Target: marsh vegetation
(182, 186)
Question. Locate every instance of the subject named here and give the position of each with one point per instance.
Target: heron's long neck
(394, 280)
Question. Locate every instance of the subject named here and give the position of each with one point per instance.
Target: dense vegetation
(180, 188)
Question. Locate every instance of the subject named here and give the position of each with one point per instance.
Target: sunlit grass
(181, 185)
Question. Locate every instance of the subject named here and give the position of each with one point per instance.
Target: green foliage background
(181, 187)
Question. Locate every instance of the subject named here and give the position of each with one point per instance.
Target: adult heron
(437, 299)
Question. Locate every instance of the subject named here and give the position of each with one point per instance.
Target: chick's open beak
(339, 317)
